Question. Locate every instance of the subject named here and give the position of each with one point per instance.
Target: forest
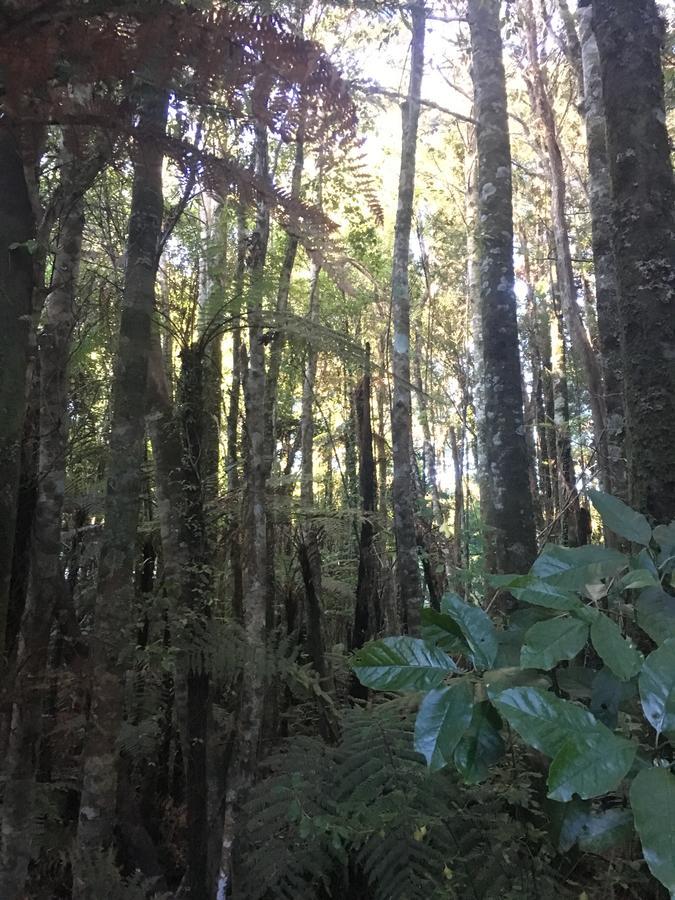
(337, 449)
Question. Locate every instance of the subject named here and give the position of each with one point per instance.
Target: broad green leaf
(402, 664)
(443, 631)
(498, 680)
(621, 519)
(572, 568)
(646, 561)
(656, 614)
(477, 628)
(530, 589)
(637, 579)
(542, 720)
(577, 681)
(652, 796)
(443, 717)
(657, 687)
(605, 830)
(589, 764)
(546, 643)
(664, 535)
(567, 821)
(617, 653)
(607, 696)
(481, 745)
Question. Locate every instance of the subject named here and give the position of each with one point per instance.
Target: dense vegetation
(337, 406)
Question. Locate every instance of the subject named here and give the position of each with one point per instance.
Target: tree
(509, 515)
(629, 37)
(403, 495)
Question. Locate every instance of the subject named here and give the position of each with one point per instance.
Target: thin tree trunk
(567, 489)
(629, 36)
(46, 584)
(233, 481)
(367, 615)
(254, 533)
(17, 230)
(403, 495)
(509, 514)
(211, 314)
(581, 344)
(428, 449)
(115, 588)
(457, 447)
(606, 287)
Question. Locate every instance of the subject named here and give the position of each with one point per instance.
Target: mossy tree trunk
(124, 477)
(630, 36)
(509, 514)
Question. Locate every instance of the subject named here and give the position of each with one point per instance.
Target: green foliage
(594, 747)
(367, 818)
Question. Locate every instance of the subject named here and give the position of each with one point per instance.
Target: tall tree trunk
(367, 614)
(457, 449)
(210, 331)
(127, 435)
(581, 344)
(428, 449)
(254, 531)
(629, 37)
(567, 489)
(509, 515)
(17, 230)
(403, 494)
(283, 291)
(46, 583)
(606, 288)
(233, 480)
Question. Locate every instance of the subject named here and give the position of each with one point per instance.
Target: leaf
(477, 628)
(589, 764)
(443, 631)
(572, 568)
(577, 681)
(481, 746)
(567, 821)
(443, 717)
(621, 519)
(605, 830)
(402, 664)
(498, 680)
(657, 687)
(637, 579)
(546, 643)
(617, 653)
(664, 535)
(652, 796)
(656, 614)
(530, 589)
(607, 696)
(542, 720)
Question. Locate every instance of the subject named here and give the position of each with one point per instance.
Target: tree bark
(581, 344)
(606, 288)
(630, 36)
(17, 230)
(254, 531)
(403, 494)
(367, 614)
(509, 515)
(115, 588)
(46, 581)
